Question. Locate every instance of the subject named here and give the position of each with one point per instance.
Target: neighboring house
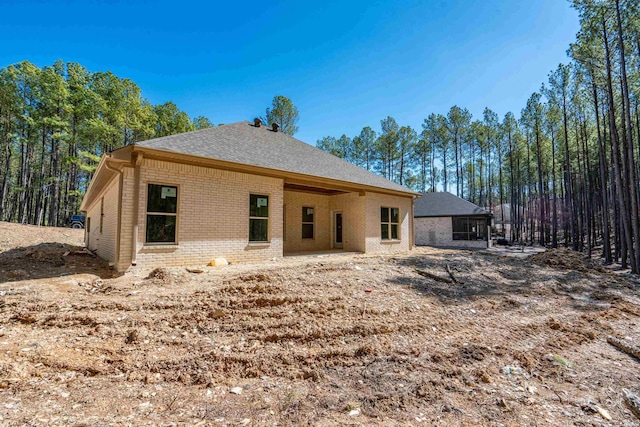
(241, 191)
(445, 220)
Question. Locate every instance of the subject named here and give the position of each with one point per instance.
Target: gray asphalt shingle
(445, 204)
(246, 144)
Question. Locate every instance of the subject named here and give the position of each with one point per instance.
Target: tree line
(566, 170)
(55, 124)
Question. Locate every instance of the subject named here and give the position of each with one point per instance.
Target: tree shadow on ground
(48, 260)
(589, 293)
(480, 277)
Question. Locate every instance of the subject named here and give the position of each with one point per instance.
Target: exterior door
(481, 229)
(337, 232)
(90, 243)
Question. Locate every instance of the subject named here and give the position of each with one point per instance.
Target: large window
(389, 219)
(258, 218)
(307, 222)
(162, 213)
(469, 228)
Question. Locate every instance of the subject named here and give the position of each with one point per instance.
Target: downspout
(119, 217)
(136, 202)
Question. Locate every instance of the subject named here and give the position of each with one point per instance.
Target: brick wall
(438, 231)
(374, 243)
(213, 216)
(353, 220)
(126, 227)
(294, 201)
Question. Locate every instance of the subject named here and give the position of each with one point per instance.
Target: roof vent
(257, 122)
(275, 127)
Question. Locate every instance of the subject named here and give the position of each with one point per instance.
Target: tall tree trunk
(541, 236)
(606, 230)
(529, 194)
(579, 188)
(455, 147)
(554, 208)
(40, 197)
(5, 180)
(489, 177)
(633, 194)
(512, 198)
(625, 222)
(444, 166)
(567, 175)
(587, 187)
(480, 183)
(54, 185)
(433, 166)
(23, 178)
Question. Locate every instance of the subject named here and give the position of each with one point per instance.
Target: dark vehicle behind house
(76, 221)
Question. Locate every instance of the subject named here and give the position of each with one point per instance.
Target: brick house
(445, 220)
(242, 191)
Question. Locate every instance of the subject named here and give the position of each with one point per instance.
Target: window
(307, 222)
(389, 218)
(101, 213)
(87, 231)
(162, 213)
(469, 228)
(258, 218)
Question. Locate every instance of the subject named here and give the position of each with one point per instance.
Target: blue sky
(345, 64)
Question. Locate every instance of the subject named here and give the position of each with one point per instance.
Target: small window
(307, 222)
(101, 213)
(162, 213)
(258, 218)
(389, 219)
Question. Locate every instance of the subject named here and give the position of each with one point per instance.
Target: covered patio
(321, 220)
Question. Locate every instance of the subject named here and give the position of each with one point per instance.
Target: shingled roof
(247, 144)
(445, 204)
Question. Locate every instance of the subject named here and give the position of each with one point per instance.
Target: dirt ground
(429, 337)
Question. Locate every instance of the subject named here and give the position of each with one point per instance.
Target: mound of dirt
(32, 252)
(566, 259)
(159, 273)
(18, 235)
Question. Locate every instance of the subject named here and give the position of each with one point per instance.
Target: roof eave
(105, 171)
